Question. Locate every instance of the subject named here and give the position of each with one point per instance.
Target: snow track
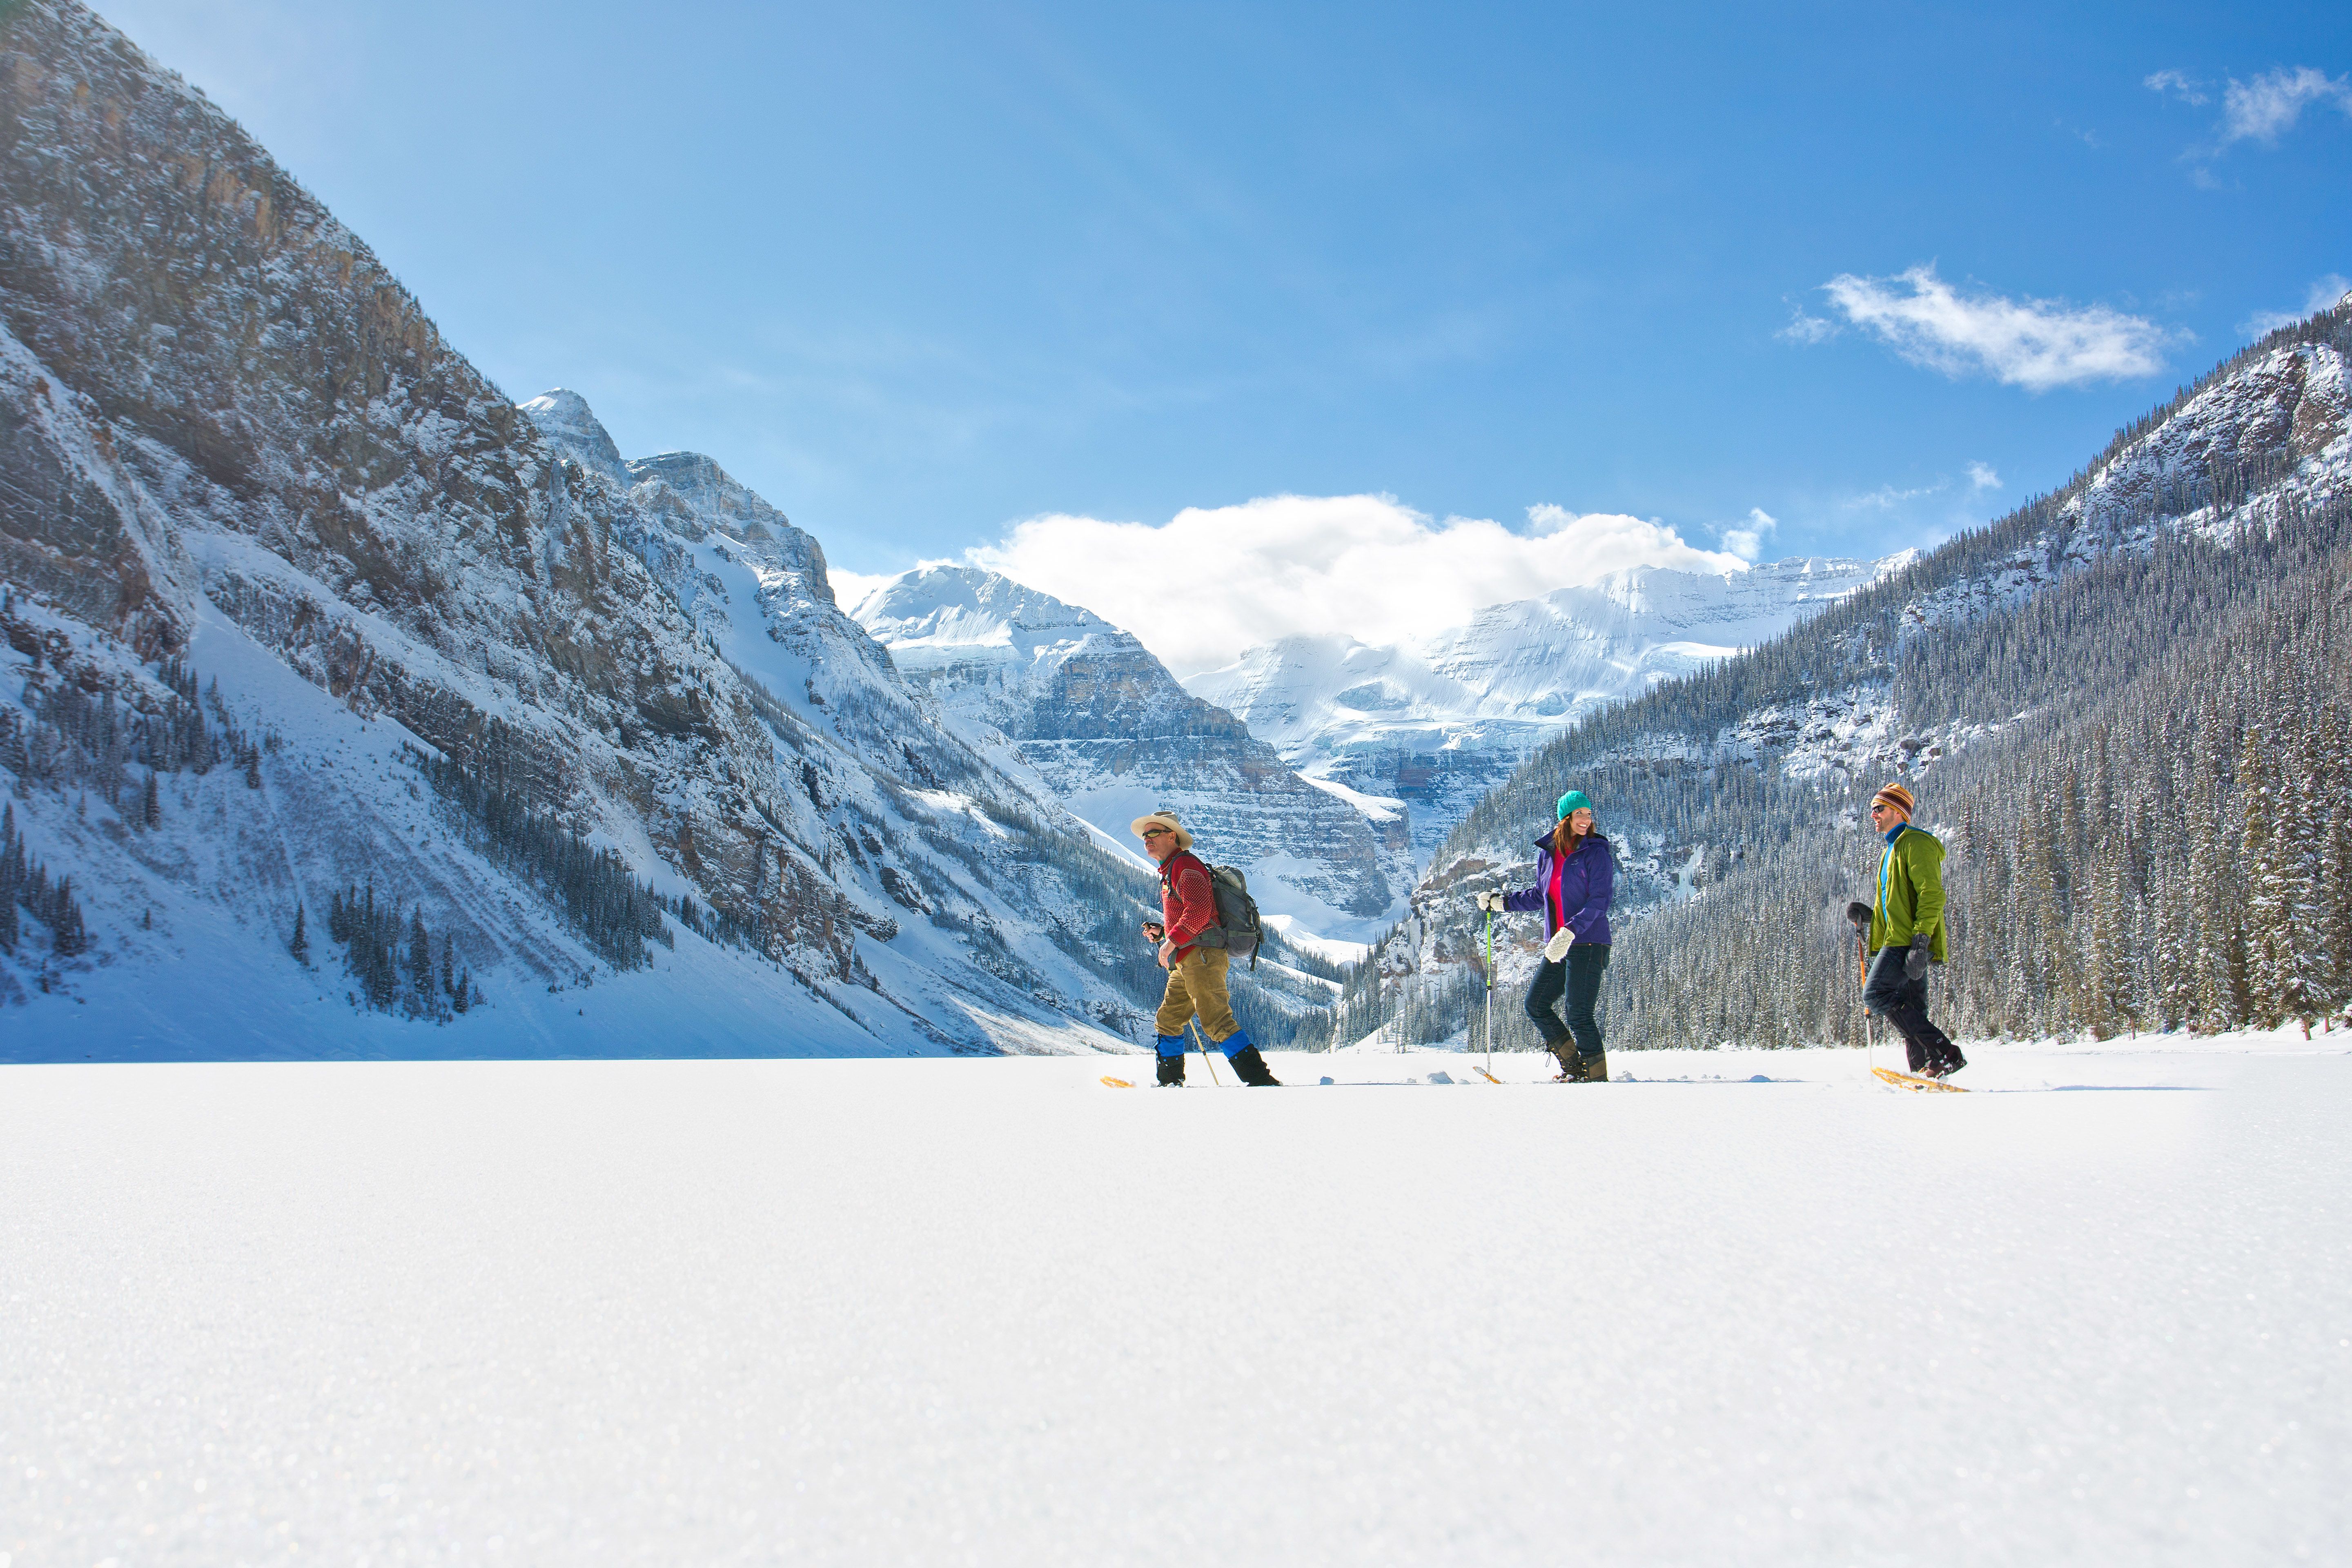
(1742, 1310)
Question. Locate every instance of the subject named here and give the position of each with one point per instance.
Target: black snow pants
(1577, 974)
(1902, 1001)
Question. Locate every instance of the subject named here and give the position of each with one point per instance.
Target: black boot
(1172, 1072)
(1253, 1068)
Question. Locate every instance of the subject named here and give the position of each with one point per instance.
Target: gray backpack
(1237, 911)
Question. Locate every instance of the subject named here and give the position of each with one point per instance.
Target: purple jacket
(1586, 888)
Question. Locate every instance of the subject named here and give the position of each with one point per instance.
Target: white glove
(1557, 948)
(1492, 903)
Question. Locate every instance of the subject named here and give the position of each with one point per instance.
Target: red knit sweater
(1188, 902)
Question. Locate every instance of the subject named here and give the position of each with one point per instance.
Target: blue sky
(920, 273)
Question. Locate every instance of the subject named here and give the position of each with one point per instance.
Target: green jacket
(1910, 893)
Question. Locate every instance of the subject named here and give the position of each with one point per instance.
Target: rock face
(1099, 722)
(229, 439)
(1431, 726)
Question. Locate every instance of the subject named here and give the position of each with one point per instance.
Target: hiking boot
(1253, 1068)
(1593, 1069)
(1172, 1072)
(1944, 1068)
(1564, 1053)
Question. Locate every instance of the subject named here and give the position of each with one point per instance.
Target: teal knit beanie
(1574, 800)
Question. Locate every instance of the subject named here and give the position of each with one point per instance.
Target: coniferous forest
(2161, 843)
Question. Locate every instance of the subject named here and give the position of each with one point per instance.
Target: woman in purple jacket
(1576, 877)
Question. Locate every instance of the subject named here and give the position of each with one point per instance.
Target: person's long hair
(1565, 839)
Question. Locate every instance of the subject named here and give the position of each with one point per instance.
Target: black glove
(1914, 962)
(1857, 915)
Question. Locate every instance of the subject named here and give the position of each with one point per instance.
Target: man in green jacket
(1907, 934)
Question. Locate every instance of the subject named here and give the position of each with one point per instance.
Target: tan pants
(1197, 985)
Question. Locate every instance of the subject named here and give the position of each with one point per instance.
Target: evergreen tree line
(64, 736)
(2158, 843)
(592, 888)
(25, 883)
(2171, 851)
(393, 961)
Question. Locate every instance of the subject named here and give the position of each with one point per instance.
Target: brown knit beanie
(1895, 796)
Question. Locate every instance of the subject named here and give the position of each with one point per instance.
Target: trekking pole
(1490, 998)
(1203, 1041)
(1862, 968)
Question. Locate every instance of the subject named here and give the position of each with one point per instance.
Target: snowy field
(1750, 1309)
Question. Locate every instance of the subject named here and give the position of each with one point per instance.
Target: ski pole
(1490, 994)
(1862, 967)
(1202, 1040)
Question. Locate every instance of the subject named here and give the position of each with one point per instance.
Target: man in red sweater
(1193, 951)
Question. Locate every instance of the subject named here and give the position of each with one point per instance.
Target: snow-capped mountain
(1056, 692)
(1428, 727)
(338, 695)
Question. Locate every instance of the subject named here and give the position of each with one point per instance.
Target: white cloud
(1983, 477)
(1804, 329)
(2034, 344)
(1748, 543)
(2321, 296)
(1886, 498)
(2174, 82)
(2267, 107)
(849, 587)
(1212, 581)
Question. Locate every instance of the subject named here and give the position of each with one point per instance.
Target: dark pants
(1579, 974)
(1902, 1001)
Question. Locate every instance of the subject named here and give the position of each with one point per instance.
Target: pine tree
(300, 945)
(420, 960)
(151, 803)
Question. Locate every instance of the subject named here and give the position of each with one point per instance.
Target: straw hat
(1166, 819)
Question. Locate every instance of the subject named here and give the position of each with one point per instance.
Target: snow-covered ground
(1735, 1308)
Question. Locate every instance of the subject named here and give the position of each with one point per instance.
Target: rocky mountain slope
(1734, 794)
(1083, 707)
(1429, 727)
(299, 609)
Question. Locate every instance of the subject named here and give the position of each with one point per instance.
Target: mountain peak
(564, 417)
(941, 605)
